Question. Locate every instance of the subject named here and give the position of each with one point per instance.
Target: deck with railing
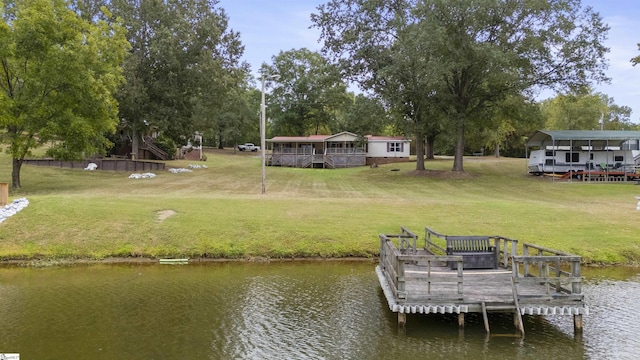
(306, 158)
(418, 276)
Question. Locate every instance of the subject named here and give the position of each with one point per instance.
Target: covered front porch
(317, 151)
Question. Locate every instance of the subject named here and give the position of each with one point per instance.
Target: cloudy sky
(268, 27)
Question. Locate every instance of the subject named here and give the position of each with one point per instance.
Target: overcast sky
(268, 27)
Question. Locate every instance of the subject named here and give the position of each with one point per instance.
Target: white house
(387, 149)
(344, 149)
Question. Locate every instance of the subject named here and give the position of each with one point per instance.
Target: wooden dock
(421, 276)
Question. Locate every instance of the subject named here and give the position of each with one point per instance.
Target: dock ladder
(514, 306)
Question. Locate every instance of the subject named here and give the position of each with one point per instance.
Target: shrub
(167, 145)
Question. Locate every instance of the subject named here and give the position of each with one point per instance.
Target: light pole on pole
(263, 126)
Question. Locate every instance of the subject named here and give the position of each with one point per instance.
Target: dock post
(402, 320)
(485, 318)
(577, 323)
(461, 320)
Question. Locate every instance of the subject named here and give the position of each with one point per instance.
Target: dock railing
(506, 248)
(407, 241)
(558, 271)
(393, 261)
(419, 277)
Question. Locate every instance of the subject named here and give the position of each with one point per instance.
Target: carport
(591, 139)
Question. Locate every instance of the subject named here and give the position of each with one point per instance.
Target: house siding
(335, 151)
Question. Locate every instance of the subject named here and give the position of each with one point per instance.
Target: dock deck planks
(531, 280)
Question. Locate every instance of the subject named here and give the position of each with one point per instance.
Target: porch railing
(329, 151)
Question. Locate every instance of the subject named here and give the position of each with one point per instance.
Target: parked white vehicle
(560, 160)
(248, 147)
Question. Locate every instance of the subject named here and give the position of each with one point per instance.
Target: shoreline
(52, 262)
(146, 260)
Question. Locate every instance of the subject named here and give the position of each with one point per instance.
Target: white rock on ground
(142, 176)
(180, 170)
(13, 208)
(196, 166)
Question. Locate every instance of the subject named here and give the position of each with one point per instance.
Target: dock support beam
(461, 320)
(402, 320)
(485, 318)
(577, 323)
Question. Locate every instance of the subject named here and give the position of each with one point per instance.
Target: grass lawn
(219, 211)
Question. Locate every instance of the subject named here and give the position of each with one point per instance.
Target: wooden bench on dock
(476, 251)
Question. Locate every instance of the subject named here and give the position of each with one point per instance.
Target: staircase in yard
(152, 148)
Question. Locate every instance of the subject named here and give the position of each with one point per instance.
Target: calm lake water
(291, 310)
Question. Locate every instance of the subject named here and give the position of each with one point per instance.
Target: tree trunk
(134, 144)
(496, 150)
(459, 152)
(15, 173)
(220, 145)
(430, 145)
(419, 151)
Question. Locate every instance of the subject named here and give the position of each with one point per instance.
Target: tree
(57, 81)
(585, 110)
(476, 52)
(377, 46)
(238, 116)
(636, 60)
(512, 120)
(365, 115)
(573, 111)
(308, 94)
(616, 117)
(183, 66)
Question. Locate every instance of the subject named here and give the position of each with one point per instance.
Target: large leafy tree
(364, 116)
(236, 119)
(506, 127)
(585, 110)
(476, 52)
(184, 63)
(307, 95)
(573, 111)
(377, 45)
(58, 77)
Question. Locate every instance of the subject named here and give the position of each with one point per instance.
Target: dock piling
(577, 323)
(485, 317)
(402, 320)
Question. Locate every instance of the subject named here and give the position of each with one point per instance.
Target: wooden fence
(103, 164)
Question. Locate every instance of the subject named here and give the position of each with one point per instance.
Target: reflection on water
(317, 310)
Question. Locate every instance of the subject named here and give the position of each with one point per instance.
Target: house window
(394, 146)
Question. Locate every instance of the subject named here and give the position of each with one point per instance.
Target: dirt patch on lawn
(441, 174)
(165, 214)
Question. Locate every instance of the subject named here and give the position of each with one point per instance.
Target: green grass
(220, 212)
